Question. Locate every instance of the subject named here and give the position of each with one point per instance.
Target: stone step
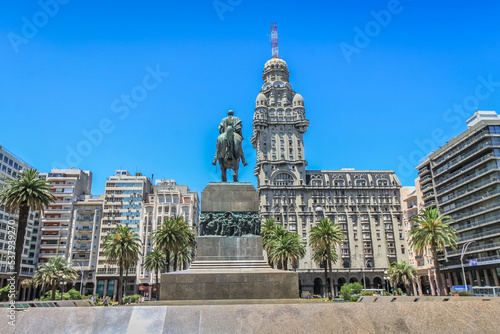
(203, 265)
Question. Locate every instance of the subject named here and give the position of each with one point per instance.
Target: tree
(26, 192)
(431, 231)
(286, 247)
(402, 273)
(270, 233)
(122, 246)
(327, 234)
(26, 283)
(51, 273)
(171, 236)
(320, 256)
(154, 261)
(186, 242)
(347, 290)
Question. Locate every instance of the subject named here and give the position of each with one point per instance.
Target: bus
(486, 291)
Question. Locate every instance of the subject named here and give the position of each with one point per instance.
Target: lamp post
(386, 278)
(81, 271)
(363, 269)
(464, 249)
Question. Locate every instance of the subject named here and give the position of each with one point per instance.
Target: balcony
(461, 147)
(425, 179)
(469, 189)
(475, 249)
(477, 223)
(475, 199)
(423, 170)
(479, 235)
(464, 168)
(478, 173)
(463, 157)
(428, 195)
(474, 212)
(54, 228)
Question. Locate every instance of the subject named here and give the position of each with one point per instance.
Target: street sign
(461, 288)
(473, 262)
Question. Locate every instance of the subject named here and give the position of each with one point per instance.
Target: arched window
(283, 179)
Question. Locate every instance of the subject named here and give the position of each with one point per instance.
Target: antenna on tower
(274, 40)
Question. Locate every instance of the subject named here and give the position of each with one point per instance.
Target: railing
(467, 190)
(464, 156)
(485, 196)
(429, 194)
(479, 172)
(475, 248)
(464, 168)
(479, 235)
(425, 178)
(465, 145)
(477, 223)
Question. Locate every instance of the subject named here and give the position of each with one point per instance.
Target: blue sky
(384, 82)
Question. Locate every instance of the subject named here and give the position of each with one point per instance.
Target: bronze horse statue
(229, 152)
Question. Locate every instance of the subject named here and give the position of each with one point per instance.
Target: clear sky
(384, 82)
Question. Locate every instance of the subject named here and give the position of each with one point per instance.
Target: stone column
(445, 287)
(115, 288)
(419, 284)
(471, 279)
(486, 277)
(455, 278)
(431, 283)
(105, 290)
(495, 276)
(478, 275)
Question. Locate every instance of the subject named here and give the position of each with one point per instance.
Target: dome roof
(275, 64)
(260, 98)
(299, 99)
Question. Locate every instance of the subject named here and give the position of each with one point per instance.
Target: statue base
(229, 267)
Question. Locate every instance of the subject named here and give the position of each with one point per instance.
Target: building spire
(274, 40)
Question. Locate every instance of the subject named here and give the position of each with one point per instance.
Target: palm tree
(432, 232)
(320, 256)
(26, 192)
(271, 232)
(26, 284)
(185, 256)
(123, 246)
(186, 241)
(326, 234)
(402, 273)
(171, 235)
(154, 261)
(287, 247)
(52, 272)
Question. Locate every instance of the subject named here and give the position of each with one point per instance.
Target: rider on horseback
(233, 124)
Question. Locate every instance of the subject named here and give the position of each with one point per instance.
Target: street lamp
(81, 271)
(364, 265)
(464, 249)
(386, 278)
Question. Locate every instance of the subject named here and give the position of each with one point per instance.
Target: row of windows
(10, 162)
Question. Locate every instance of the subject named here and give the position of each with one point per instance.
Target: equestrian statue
(229, 151)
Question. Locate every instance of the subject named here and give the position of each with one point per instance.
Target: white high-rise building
(10, 167)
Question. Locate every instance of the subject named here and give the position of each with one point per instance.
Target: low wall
(314, 317)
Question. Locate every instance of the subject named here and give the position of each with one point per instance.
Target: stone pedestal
(229, 267)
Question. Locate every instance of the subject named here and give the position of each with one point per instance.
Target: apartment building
(124, 200)
(463, 179)
(366, 204)
(412, 203)
(84, 244)
(10, 167)
(168, 199)
(67, 185)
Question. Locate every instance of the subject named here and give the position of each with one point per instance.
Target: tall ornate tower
(279, 123)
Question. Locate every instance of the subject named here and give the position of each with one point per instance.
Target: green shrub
(354, 298)
(385, 293)
(4, 293)
(366, 293)
(345, 292)
(73, 295)
(356, 288)
(465, 293)
(133, 298)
